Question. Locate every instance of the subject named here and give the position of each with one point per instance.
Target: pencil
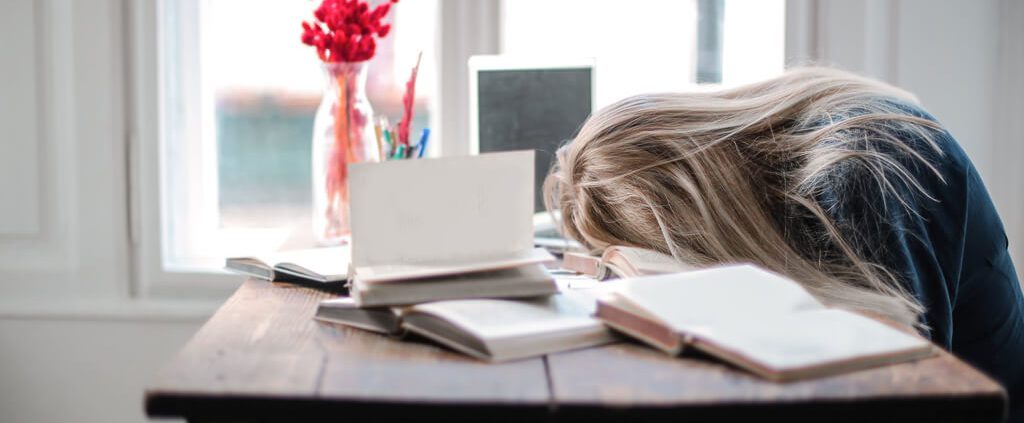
(380, 142)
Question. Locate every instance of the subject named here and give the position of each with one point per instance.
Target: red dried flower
(344, 30)
(407, 103)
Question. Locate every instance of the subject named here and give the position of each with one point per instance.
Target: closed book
(345, 311)
(531, 280)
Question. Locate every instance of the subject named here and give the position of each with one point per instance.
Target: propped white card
(414, 218)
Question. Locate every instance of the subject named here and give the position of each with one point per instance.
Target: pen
(400, 152)
(422, 145)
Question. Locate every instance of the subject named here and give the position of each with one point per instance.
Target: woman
(840, 182)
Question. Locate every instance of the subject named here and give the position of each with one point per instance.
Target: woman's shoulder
(933, 137)
(919, 151)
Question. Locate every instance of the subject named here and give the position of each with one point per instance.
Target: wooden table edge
(248, 407)
(991, 407)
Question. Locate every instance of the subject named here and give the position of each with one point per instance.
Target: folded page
(810, 343)
(451, 209)
(694, 300)
(402, 272)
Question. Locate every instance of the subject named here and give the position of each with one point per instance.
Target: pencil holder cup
(342, 133)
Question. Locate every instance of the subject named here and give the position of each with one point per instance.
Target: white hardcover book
(516, 282)
(345, 311)
(418, 221)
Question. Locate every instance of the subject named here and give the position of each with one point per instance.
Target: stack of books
(444, 248)
(453, 260)
(455, 263)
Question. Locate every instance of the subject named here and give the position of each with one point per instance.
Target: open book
(623, 262)
(755, 320)
(324, 268)
(445, 228)
(489, 329)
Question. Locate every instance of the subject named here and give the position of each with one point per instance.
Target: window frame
(466, 28)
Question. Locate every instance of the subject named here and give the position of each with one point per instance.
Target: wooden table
(262, 357)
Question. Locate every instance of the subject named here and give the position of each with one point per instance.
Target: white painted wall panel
(82, 371)
(948, 57)
(63, 176)
(19, 153)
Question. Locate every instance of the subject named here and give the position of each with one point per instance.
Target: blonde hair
(727, 176)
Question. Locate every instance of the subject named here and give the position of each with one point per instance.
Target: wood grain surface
(262, 357)
(646, 382)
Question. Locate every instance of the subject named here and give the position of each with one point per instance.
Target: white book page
(443, 210)
(517, 320)
(643, 262)
(404, 272)
(811, 338)
(691, 302)
(332, 261)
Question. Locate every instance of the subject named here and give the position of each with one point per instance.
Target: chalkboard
(537, 109)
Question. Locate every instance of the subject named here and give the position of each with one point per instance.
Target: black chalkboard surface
(539, 109)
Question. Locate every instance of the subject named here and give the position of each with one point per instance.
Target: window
(240, 93)
(653, 45)
(237, 91)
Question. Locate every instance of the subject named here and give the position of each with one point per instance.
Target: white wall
(82, 370)
(76, 344)
(952, 69)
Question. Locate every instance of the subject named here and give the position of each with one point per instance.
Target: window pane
(265, 86)
(754, 40)
(638, 46)
(651, 45)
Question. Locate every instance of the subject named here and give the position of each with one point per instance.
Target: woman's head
(727, 176)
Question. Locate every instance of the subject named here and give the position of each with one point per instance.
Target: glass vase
(342, 133)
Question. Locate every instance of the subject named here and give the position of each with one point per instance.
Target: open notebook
(445, 228)
(756, 320)
(488, 329)
(324, 268)
(623, 262)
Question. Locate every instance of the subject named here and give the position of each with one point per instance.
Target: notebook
(756, 320)
(463, 225)
(623, 262)
(324, 268)
(345, 311)
(488, 329)
(513, 282)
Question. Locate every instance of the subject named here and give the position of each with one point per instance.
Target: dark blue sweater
(950, 251)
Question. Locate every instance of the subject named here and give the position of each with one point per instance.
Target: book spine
(650, 332)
